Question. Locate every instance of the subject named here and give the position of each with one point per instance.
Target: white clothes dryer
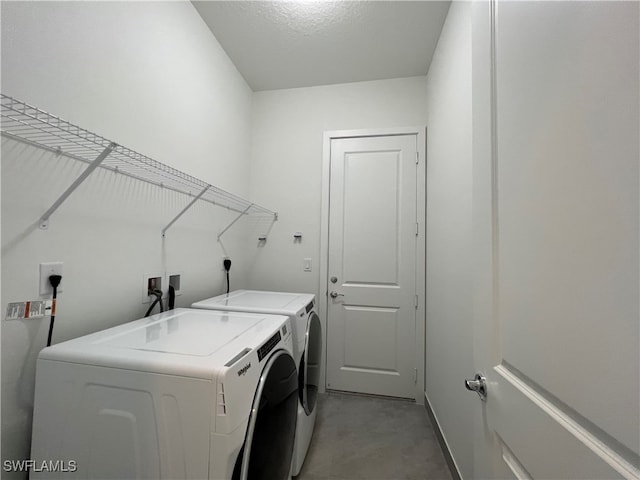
(307, 348)
(185, 394)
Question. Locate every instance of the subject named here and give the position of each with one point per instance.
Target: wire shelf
(36, 127)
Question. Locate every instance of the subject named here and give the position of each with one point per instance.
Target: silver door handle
(336, 294)
(478, 385)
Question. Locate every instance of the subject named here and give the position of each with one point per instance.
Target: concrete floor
(360, 437)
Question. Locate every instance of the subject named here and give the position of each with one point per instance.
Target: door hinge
(415, 301)
(417, 228)
(415, 376)
(417, 158)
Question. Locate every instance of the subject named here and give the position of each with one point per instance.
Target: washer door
(268, 447)
(309, 371)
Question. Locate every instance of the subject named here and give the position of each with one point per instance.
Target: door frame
(421, 135)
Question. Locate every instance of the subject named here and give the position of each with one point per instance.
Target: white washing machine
(186, 394)
(307, 348)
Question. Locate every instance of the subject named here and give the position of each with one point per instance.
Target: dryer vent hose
(157, 301)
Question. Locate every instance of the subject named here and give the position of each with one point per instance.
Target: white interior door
(371, 311)
(556, 221)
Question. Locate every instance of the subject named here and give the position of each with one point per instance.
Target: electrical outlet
(222, 263)
(47, 269)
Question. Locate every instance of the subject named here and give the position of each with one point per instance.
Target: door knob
(478, 385)
(336, 295)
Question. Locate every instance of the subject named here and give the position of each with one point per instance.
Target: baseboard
(451, 463)
(369, 395)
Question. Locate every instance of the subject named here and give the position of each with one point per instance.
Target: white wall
(286, 167)
(149, 76)
(449, 330)
(286, 164)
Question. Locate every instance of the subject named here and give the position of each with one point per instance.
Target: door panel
(372, 251)
(568, 206)
(556, 230)
(370, 334)
(370, 210)
(543, 440)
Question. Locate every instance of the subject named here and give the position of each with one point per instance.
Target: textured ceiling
(286, 44)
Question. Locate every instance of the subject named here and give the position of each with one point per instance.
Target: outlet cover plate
(47, 269)
(171, 281)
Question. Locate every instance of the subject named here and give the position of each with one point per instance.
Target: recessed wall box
(174, 281)
(151, 281)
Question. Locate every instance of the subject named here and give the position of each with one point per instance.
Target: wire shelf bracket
(35, 127)
(44, 219)
(224, 230)
(184, 210)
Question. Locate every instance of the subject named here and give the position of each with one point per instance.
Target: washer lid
(186, 333)
(193, 343)
(258, 301)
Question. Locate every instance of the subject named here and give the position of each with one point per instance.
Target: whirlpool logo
(244, 369)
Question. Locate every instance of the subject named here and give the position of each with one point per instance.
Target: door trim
(420, 132)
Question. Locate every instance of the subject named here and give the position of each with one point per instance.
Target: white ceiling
(288, 44)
